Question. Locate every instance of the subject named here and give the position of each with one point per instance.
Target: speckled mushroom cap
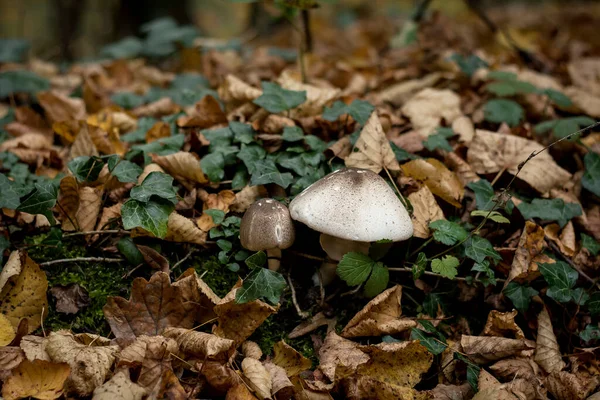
(353, 204)
(267, 225)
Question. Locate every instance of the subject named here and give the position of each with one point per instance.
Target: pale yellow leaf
(259, 377)
(40, 379)
(429, 107)
(425, 211)
(547, 351)
(439, 179)
(119, 387)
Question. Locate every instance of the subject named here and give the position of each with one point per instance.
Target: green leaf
(473, 371)
(484, 194)
(126, 171)
(213, 165)
(54, 237)
(590, 333)
(433, 345)
(593, 303)
(242, 133)
(152, 215)
(469, 64)
(261, 283)
(130, 251)
(337, 109)
(550, 210)
(478, 248)
(128, 47)
(276, 99)
(360, 111)
(559, 98)
(155, 184)
(439, 140)
(493, 215)
(510, 88)
(225, 245)
(21, 81)
(401, 154)
(41, 200)
(378, 281)
(520, 295)
(161, 147)
(591, 177)
(315, 143)
(217, 215)
(86, 169)
(420, 266)
(586, 241)
(502, 110)
(250, 155)
(485, 268)
(502, 75)
(139, 135)
(4, 244)
(256, 260)
(240, 179)
(9, 196)
(266, 172)
(445, 266)
(432, 303)
(355, 268)
(13, 50)
(580, 296)
(292, 134)
(447, 232)
(127, 100)
(561, 279)
(294, 162)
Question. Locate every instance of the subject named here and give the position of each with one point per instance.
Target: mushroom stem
(274, 258)
(336, 248)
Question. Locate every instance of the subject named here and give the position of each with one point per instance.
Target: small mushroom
(351, 207)
(267, 226)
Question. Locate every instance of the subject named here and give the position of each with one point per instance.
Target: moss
(214, 274)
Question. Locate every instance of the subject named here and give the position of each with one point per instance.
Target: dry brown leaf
(311, 324)
(316, 97)
(40, 379)
(59, 107)
(281, 386)
(289, 359)
(585, 73)
(486, 380)
(461, 168)
(425, 211)
(218, 375)
(198, 295)
(23, 287)
(83, 144)
(182, 166)
(251, 349)
(564, 385)
(10, 358)
(490, 388)
(502, 324)
(90, 203)
(429, 107)
(239, 321)
(259, 377)
(206, 113)
(528, 254)
(490, 153)
(90, 365)
(68, 201)
(239, 392)
(148, 169)
(159, 130)
(565, 240)
(372, 149)
(484, 349)
(452, 392)
(400, 93)
(245, 197)
(154, 259)
(381, 316)
(157, 374)
(199, 344)
(516, 368)
(234, 90)
(33, 141)
(547, 352)
(157, 109)
(153, 307)
(70, 298)
(463, 127)
(34, 348)
(439, 179)
(183, 230)
(340, 357)
(119, 387)
(7, 331)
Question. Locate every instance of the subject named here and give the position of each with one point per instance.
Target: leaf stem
(81, 259)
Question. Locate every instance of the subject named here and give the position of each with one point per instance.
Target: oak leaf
(70, 298)
(425, 211)
(547, 351)
(438, 178)
(40, 379)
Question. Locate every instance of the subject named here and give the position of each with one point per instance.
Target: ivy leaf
(337, 109)
(152, 215)
(439, 140)
(420, 265)
(593, 304)
(478, 248)
(126, 171)
(511, 87)
(473, 371)
(378, 281)
(242, 133)
(433, 345)
(266, 172)
(261, 283)
(155, 184)
(21, 81)
(250, 155)
(559, 98)
(217, 215)
(520, 295)
(586, 241)
(128, 47)
(502, 110)
(591, 177)
(41, 200)
(359, 110)
(127, 100)
(130, 251)
(447, 232)
(213, 165)
(550, 210)
(85, 168)
(9, 196)
(355, 268)
(561, 279)
(493, 215)
(292, 134)
(563, 127)
(256, 260)
(445, 266)
(484, 194)
(401, 154)
(13, 50)
(469, 64)
(590, 333)
(433, 303)
(276, 99)
(485, 268)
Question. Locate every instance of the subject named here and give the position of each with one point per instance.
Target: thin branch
(301, 314)
(188, 255)
(457, 278)
(81, 259)
(304, 255)
(103, 232)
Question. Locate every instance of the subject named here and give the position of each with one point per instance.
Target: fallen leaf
(199, 344)
(313, 323)
(547, 352)
(156, 374)
(528, 254)
(259, 377)
(10, 358)
(491, 152)
(516, 367)
(59, 107)
(502, 324)
(425, 211)
(119, 387)
(206, 113)
(316, 97)
(34, 348)
(70, 299)
(83, 145)
(372, 149)
(400, 93)
(198, 296)
(39, 379)
(340, 357)
(438, 178)
(565, 240)
(159, 130)
(564, 385)
(289, 359)
(245, 197)
(484, 349)
(239, 392)
(452, 392)
(68, 203)
(281, 386)
(154, 259)
(182, 166)
(381, 316)
(461, 168)
(159, 108)
(429, 107)
(7, 331)
(219, 376)
(463, 127)
(90, 203)
(237, 91)
(251, 349)
(183, 230)
(584, 73)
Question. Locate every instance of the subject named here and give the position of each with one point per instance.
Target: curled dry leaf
(281, 386)
(156, 109)
(340, 357)
(68, 203)
(251, 349)
(59, 107)
(259, 377)
(198, 296)
(245, 197)
(70, 298)
(490, 153)
(311, 324)
(119, 387)
(565, 240)
(400, 93)
(90, 203)
(205, 113)
(199, 344)
(159, 130)
(516, 368)
(154, 306)
(152, 167)
(10, 358)
(372, 149)
(34, 348)
(463, 127)
(484, 349)
(289, 359)
(156, 374)
(23, 287)
(461, 168)
(182, 166)
(502, 324)
(528, 254)
(316, 97)
(486, 380)
(584, 73)
(439, 179)
(237, 91)
(381, 316)
(547, 352)
(452, 392)
(83, 145)
(154, 259)
(429, 107)
(425, 211)
(564, 385)
(218, 375)
(239, 392)
(183, 230)
(39, 379)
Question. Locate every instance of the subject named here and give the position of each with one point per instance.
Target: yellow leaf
(440, 180)
(289, 359)
(182, 166)
(425, 211)
(40, 379)
(547, 351)
(259, 377)
(7, 331)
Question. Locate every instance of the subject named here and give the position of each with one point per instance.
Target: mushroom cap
(267, 225)
(353, 204)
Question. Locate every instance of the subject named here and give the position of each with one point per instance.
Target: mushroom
(267, 226)
(351, 207)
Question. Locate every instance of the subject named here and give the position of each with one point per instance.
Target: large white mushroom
(351, 207)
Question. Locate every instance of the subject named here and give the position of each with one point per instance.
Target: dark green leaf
(217, 215)
(355, 268)
(261, 283)
(128, 47)
(378, 281)
(473, 371)
(240, 179)
(447, 232)
(360, 111)
(86, 169)
(315, 143)
(433, 345)
(492, 215)
(519, 295)
(9, 196)
(593, 303)
(550, 210)
(155, 184)
(152, 215)
(276, 99)
(445, 266)
(294, 162)
(126, 171)
(41, 200)
(127, 100)
(139, 135)
(265, 172)
(224, 245)
(432, 303)
(586, 241)
(401, 154)
(250, 154)
(21, 81)
(256, 260)
(484, 194)
(590, 333)
(4, 244)
(130, 251)
(292, 134)
(580, 296)
(438, 141)
(469, 64)
(559, 98)
(485, 268)
(591, 177)
(54, 237)
(13, 50)
(502, 110)
(478, 248)
(213, 165)
(561, 279)
(161, 147)
(242, 133)
(511, 88)
(420, 265)
(333, 113)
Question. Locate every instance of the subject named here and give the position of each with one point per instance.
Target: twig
(81, 259)
(188, 255)
(404, 202)
(301, 314)
(107, 232)
(304, 255)
(458, 278)
(353, 291)
(572, 264)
